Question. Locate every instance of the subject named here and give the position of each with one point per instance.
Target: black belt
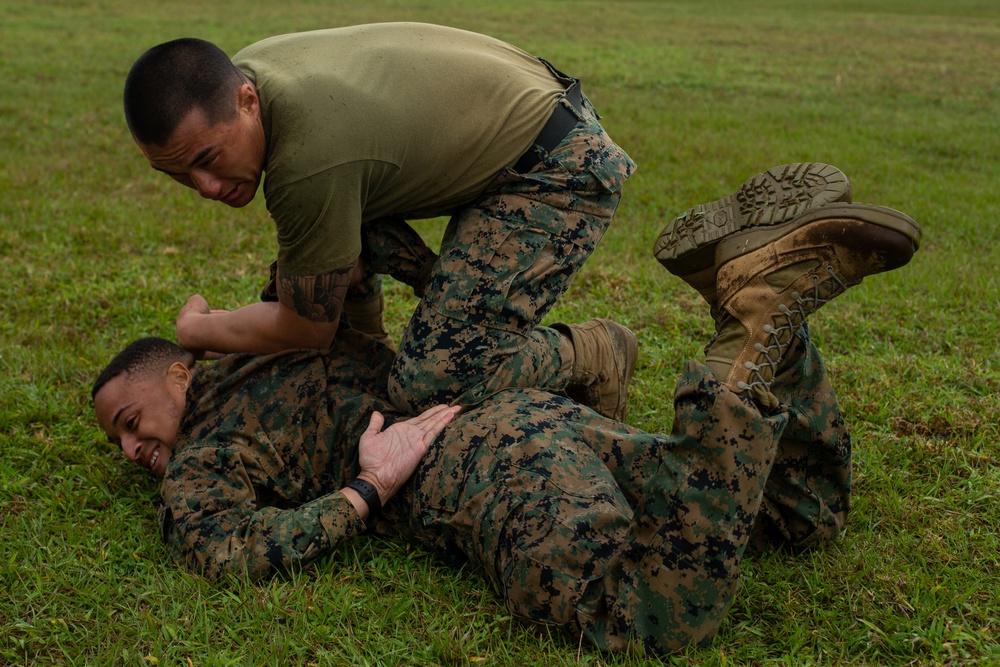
(555, 130)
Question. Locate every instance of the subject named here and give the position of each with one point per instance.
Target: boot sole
(687, 244)
(749, 241)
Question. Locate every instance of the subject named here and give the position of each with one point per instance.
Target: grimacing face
(223, 161)
(142, 415)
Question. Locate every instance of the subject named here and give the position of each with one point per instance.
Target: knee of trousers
(409, 396)
(464, 368)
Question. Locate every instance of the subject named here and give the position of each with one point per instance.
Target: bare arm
(261, 328)
(306, 315)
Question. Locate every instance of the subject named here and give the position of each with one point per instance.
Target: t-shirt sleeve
(217, 523)
(318, 218)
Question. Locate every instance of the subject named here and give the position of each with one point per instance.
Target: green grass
(96, 249)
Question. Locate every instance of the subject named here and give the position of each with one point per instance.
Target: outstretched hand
(389, 457)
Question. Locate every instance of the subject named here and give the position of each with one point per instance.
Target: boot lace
(788, 322)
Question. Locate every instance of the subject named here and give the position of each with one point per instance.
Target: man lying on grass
(624, 537)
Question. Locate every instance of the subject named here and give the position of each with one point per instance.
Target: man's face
(142, 415)
(224, 161)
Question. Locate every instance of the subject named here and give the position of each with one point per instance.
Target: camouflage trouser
(504, 261)
(630, 538)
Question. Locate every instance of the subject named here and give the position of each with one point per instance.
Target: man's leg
(537, 511)
(527, 495)
(787, 242)
(807, 495)
(364, 306)
(768, 282)
(504, 262)
(674, 579)
(808, 492)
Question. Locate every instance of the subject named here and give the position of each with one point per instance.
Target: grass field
(97, 249)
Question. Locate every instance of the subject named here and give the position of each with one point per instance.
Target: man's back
(394, 118)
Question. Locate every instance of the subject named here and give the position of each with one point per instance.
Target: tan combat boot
(367, 317)
(771, 279)
(686, 246)
(605, 353)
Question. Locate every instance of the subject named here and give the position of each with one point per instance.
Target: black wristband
(369, 495)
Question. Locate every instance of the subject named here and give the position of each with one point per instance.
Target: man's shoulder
(240, 384)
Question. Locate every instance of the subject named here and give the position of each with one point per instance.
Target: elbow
(316, 335)
(294, 330)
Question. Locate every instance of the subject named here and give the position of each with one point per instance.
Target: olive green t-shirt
(402, 119)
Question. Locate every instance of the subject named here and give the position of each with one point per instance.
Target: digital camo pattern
(623, 537)
(390, 246)
(808, 494)
(629, 538)
(252, 484)
(504, 262)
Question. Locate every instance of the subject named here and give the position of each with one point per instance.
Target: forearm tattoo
(270, 291)
(318, 298)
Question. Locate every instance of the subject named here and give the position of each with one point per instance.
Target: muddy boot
(686, 246)
(605, 353)
(770, 279)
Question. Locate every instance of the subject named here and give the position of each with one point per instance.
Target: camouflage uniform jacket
(265, 444)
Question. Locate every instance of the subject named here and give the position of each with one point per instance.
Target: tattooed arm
(307, 314)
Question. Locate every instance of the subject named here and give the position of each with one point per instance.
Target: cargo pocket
(611, 167)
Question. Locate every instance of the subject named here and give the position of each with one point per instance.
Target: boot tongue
(722, 353)
(726, 346)
(782, 278)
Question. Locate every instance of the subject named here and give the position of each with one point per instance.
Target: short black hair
(140, 357)
(171, 79)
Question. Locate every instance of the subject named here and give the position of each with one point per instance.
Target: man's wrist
(193, 330)
(369, 494)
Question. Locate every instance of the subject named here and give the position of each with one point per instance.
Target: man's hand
(258, 328)
(389, 457)
(196, 307)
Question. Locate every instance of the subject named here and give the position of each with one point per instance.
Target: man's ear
(247, 99)
(179, 376)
